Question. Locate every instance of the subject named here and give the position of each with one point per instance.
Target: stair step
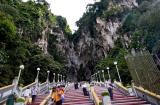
(76, 97)
(81, 104)
(77, 102)
(120, 99)
(34, 104)
(131, 103)
(39, 99)
(126, 100)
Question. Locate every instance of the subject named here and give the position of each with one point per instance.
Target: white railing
(43, 88)
(26, 87)
(5, 92)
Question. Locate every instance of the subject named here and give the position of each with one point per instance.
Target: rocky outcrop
(87, 50)
(43, 41)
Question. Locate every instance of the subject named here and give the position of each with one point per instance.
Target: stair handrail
(25, 87)
(43, 87)
(121, 87)
(66, 87)
(45, 100)
(95, 97)
(29, 86)
(5, 92)
(8, 86)
(147, 92)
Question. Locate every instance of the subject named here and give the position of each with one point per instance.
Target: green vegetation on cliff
(21, 25)
(140, 24)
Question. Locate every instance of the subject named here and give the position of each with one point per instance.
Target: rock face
(87, 50)
(43, 41)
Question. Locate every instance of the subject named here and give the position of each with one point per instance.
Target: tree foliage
(21, 24)
(142, 27)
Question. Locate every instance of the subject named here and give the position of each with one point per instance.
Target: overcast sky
(71, 9)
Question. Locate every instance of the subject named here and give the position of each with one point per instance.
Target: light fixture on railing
(48, 75)
(115, 63)
(108, 73)
(19, 74)
(38, 69)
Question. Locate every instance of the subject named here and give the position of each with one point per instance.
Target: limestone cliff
(81, 55)
(88, 49)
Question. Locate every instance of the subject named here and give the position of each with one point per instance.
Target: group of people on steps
(84, 87)
(57, 95)
(30, 94)
(108, 84)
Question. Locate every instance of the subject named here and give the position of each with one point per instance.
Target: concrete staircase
(119, 98)
(76, 97)
(39, 99)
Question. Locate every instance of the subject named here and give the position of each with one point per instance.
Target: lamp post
(20, 70)
(99, 76)
(58, 78)
(38, 69)
(103, 75)
(54, 77)
(93, 77)
(115, 63)
(108, 73)
(48, 75)
(96, 77)
(61, 78)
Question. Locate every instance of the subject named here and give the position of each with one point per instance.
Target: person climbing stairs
(76, 97)
(119, 98)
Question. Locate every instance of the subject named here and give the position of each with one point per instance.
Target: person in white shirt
(110, 88)
(34, 93)
(26, 95)
(84, 87)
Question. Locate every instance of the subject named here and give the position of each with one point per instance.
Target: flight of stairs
(76, 97)
(39, 99)
(119, 98)
(99, 90)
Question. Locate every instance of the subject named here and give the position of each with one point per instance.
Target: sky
(72, 10)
